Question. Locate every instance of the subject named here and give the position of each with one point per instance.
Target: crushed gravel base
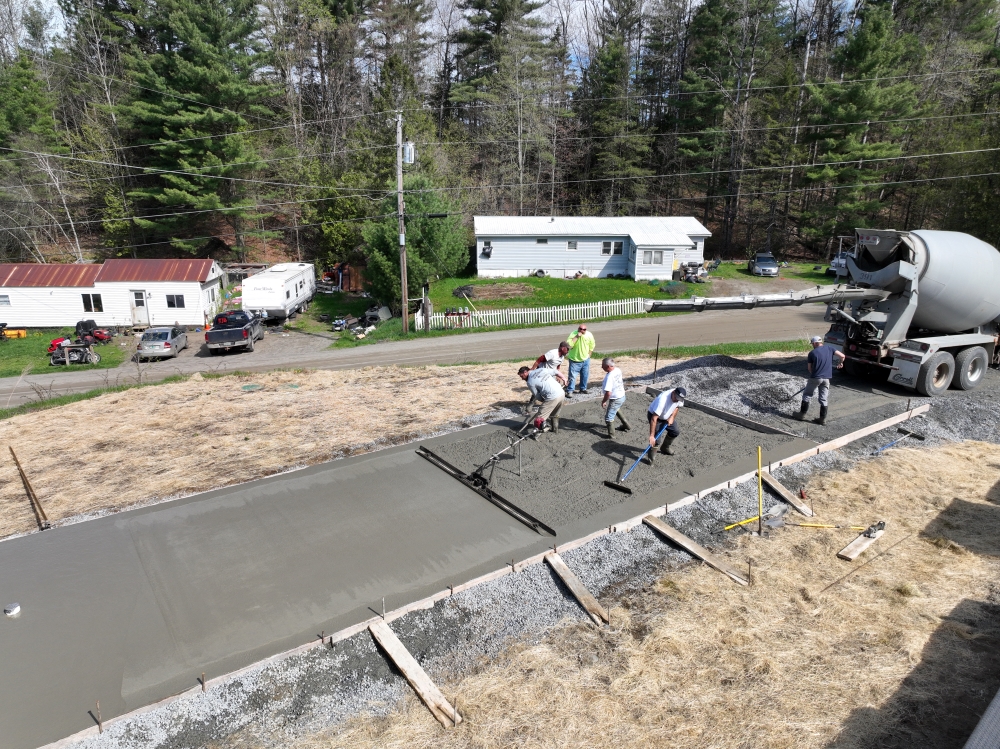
(300, 695)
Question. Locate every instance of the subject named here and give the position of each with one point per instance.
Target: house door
(140, 312)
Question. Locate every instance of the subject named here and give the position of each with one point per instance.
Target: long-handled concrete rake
(620, 485)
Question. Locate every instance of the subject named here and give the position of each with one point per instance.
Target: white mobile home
(280, 291)
(121, 292)
(644, 247)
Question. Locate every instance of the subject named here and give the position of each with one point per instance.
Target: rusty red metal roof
(36, 274)
(125, 269)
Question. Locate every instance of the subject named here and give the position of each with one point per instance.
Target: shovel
(620, 485)
(906, 433)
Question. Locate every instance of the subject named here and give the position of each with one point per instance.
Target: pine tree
(197, 91)
(844, 152)
(435, 247)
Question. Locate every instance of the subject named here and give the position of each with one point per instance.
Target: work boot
(651, 455)
(666, 448)
(583, 391)
(801, 415)
(625, 427)
(822, 416)
(555, 425)
(611, 431)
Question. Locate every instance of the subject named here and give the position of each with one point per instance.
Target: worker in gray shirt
(820, 363)
(546, 386)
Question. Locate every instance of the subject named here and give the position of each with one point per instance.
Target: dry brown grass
(697, 661)
(141, 446)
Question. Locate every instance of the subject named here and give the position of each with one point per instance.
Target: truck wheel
(250, 343)
(970, 366)
(936, 374)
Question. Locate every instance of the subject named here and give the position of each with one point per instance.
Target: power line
(710, 131)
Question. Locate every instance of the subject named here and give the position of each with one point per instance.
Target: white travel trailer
(280, 291)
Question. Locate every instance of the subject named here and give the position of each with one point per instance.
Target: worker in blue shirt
(820, 363)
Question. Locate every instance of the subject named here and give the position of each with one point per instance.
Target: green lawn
(549, 292)
(18, 353)
(335, 305)
(800, 271)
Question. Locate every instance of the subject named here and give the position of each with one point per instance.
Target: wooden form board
(727, 416)
(446, 714)
(693, 547)
(426, 603)
(858, 546)
(578, 589)
(786, 495)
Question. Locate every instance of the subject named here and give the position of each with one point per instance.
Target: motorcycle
(77, 355)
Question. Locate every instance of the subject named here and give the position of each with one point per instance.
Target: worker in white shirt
(614, 396)
(553, 358)
(663, 410)
(546, 386)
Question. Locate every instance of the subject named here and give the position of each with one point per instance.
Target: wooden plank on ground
(786, 495)
(578, 589)
(727, 416)
(693, 547)
(858, 546)
(445, 713)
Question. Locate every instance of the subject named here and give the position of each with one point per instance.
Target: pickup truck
(236, 329)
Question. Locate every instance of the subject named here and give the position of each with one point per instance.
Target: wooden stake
(760, 498)
(43, 519)
(656, 361)
(100, 723)
(202, 681)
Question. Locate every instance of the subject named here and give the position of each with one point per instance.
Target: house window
(4, 300)
(175, 301)
(542, 240)
(618, 248)
(606, 248)
(571, 245)
(92, 303)
(652, 257)
(487, 248)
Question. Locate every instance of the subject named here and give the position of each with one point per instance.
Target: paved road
(774, 324)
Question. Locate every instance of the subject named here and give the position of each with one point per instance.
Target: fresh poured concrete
(131, 608)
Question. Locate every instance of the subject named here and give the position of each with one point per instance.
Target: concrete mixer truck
(920, 307)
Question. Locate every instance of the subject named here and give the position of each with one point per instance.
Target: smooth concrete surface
(131, 608)
(701, 328)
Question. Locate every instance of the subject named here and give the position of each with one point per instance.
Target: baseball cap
(816, 339)
(680, 393)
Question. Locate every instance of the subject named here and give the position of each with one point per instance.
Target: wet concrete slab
(132, 608)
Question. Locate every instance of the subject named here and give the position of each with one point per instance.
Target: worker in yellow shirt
(581, 346)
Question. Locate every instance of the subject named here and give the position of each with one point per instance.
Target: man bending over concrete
(553, 358)
(614, 396)
(663, 410)
(546, 386)
(820, 364)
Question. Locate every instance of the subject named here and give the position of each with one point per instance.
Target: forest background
(238, 129)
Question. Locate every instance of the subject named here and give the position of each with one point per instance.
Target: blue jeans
(613, 405)
(581, 369)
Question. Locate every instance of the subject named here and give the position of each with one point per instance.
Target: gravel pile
(300, 695)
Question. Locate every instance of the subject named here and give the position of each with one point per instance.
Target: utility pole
(402, 225)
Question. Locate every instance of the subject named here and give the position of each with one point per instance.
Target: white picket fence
(532, 315)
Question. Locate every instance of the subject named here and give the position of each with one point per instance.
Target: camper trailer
(280, 291)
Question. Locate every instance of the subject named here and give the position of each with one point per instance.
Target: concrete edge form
(515, 566)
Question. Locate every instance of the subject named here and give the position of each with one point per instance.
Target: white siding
(44, 307)
(117, 298)
(523, 256)
(662, 272)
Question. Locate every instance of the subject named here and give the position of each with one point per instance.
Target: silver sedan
(157, 343)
